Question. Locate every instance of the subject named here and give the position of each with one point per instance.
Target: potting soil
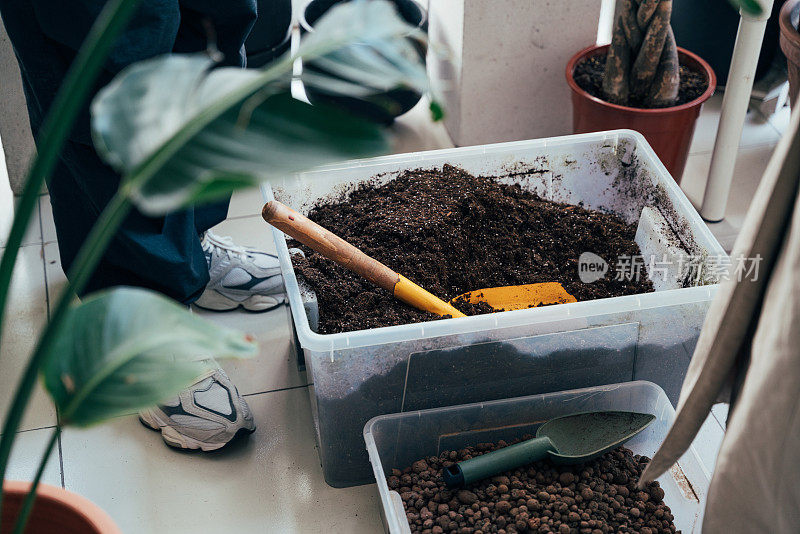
(596, 497)
(589, 77)
(452, 232)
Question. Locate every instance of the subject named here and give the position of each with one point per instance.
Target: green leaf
(437, 113)
(752, 7)
(371, 63)
(282, 135)
(125, 349)
(183, 132)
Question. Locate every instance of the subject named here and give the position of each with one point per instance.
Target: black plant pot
(271, 35)
(383, 107)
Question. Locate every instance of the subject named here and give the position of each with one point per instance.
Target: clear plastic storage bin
(651, 336)
(398, 440)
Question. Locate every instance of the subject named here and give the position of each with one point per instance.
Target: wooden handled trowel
(340, 251)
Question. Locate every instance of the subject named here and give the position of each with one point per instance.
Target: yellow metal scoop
(508, 298)
(337, 249)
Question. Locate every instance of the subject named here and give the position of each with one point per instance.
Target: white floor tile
(247, 202)
(48, 226)
(707, 443)
(750, 165)
(720, 411)
(56, 280)
(8, 203)
(275, 367)
(695, 176)
(757, 130)
(780, 119)
(27, 454)
(27, 314)
(248, 231)
(269, 482)
(416, 131)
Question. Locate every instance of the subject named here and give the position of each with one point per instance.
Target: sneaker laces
(212, 242)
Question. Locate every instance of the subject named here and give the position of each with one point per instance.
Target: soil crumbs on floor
(589, 77)
(451, 233)
(596, 497)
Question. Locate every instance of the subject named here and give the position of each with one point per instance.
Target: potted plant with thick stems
(180, 132)
(641, 81)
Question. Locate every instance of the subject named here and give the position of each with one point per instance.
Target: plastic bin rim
(427, 329)
(442, 327)
(592, 389)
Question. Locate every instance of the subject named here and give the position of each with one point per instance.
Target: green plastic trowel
(569, 439)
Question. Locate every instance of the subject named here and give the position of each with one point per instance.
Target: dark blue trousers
(162, 253)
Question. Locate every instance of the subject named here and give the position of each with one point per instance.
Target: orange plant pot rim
(682, 52)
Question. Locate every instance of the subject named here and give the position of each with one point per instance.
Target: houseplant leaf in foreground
(183, 132)
(753, 7)
(125, 349)
(369, 64)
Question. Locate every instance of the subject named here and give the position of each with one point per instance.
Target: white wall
(504, 69)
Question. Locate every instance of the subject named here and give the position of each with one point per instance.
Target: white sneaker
(206, 416)
(240, 277)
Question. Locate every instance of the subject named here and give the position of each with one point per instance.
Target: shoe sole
(177, 440)
(215, 301)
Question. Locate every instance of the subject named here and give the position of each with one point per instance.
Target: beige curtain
(748, 354)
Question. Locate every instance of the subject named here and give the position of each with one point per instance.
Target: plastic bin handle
(489, 464)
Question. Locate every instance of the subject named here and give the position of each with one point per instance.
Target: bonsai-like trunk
(642, 61)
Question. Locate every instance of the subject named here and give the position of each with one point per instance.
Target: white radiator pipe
(734, 109)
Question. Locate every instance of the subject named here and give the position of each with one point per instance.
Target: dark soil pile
(452, 232)
(589, 77)
(597, 497)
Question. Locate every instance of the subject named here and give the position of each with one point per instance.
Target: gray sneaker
(240, 277)
(206, 416)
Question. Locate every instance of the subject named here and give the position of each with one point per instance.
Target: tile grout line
(61, 461)
(35, 429)
(46, 284)
(39, 216)
(277, 390)
(740, 149)
(768, 120)
(717, 419)
(47, 301)
(25, 245)
(229, 218)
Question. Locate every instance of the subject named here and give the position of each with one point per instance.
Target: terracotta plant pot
(56, 510)
(790, 44)
(668, 130)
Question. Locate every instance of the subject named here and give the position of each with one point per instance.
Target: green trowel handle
(492, 463)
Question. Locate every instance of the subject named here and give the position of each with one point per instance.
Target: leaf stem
(77, 85)
(82, 268)
(30, 498)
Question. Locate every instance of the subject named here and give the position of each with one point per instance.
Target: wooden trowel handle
(328, 244)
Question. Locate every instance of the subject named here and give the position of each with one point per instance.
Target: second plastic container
(398, 440)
